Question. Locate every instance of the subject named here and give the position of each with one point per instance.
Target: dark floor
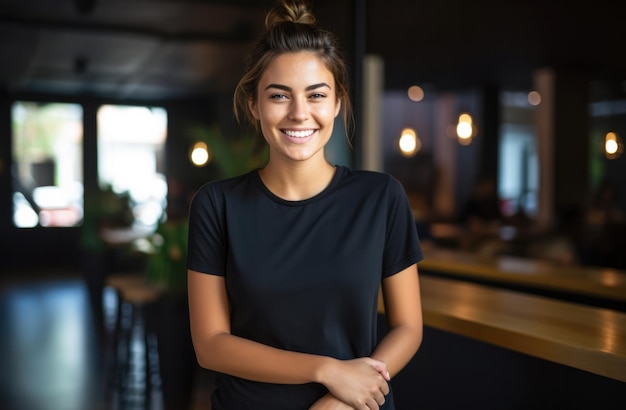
(53, 356)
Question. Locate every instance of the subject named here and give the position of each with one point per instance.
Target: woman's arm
(357, 381)
(403, 308)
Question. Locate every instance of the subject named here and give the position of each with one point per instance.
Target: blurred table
(583, 337)
(602, 284)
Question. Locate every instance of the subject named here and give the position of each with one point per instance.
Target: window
(47, 164)
(519, 164)
(131, 142)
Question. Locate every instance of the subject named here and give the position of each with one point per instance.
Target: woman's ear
(252, 107)
(338, 109)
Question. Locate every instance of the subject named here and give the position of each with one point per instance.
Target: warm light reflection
(611, 278)
(409, 143)
(534, 98)
(465, 129)
(415, 93)
(465, 117)
(613, 146)
(199, 154)
(609, 328)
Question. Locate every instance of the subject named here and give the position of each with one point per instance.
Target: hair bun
(293, 11)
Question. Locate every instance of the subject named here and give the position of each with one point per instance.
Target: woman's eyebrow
(286, 88)
(316, 86)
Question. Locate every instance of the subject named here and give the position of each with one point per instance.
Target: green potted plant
(165, 257)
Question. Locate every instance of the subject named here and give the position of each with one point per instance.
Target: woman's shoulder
(370, 178)
(224, 186)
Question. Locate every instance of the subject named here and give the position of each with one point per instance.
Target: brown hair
(291, 27)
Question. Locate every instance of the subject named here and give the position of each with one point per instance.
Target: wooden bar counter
(586, 338)
(600, 286)
(486, 347)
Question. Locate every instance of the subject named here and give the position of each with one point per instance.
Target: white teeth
(299, 134)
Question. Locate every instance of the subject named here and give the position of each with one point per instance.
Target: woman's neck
(297, 181)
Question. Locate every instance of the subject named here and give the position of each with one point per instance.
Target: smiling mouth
(299, 134)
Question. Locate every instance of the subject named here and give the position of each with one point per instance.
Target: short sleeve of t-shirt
(207, 232)
(402, 247)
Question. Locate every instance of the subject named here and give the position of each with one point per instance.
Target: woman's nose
(298, 110)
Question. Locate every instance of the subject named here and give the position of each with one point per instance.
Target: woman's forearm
(353, 382)
(403, 308)
(226, 353)
(398, 347)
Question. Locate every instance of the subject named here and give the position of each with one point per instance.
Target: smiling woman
(296, 118)
(285, 262)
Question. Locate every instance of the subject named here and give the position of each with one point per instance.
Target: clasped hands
(357, 384)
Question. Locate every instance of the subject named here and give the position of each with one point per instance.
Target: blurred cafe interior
(504, 120)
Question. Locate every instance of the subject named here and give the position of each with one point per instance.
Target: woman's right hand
(360, 383)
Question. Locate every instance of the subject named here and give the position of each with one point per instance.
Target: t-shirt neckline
(339, 170)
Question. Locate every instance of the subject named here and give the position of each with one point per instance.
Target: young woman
(285, 262)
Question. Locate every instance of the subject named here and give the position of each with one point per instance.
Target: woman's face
(296, 106)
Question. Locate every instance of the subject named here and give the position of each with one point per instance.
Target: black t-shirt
(301, 275)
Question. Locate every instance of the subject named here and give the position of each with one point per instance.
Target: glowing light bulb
(464, 129)
(409, 143)
(199, 154)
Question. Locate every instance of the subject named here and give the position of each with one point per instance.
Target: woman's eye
(317, 95)
(278, 96)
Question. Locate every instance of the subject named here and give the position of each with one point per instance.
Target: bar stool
(133, 365)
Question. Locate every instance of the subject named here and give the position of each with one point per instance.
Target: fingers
(378, 398)
(385, 389)
(363, 384)
(375, 403)
(380, 367)
(372, 405)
